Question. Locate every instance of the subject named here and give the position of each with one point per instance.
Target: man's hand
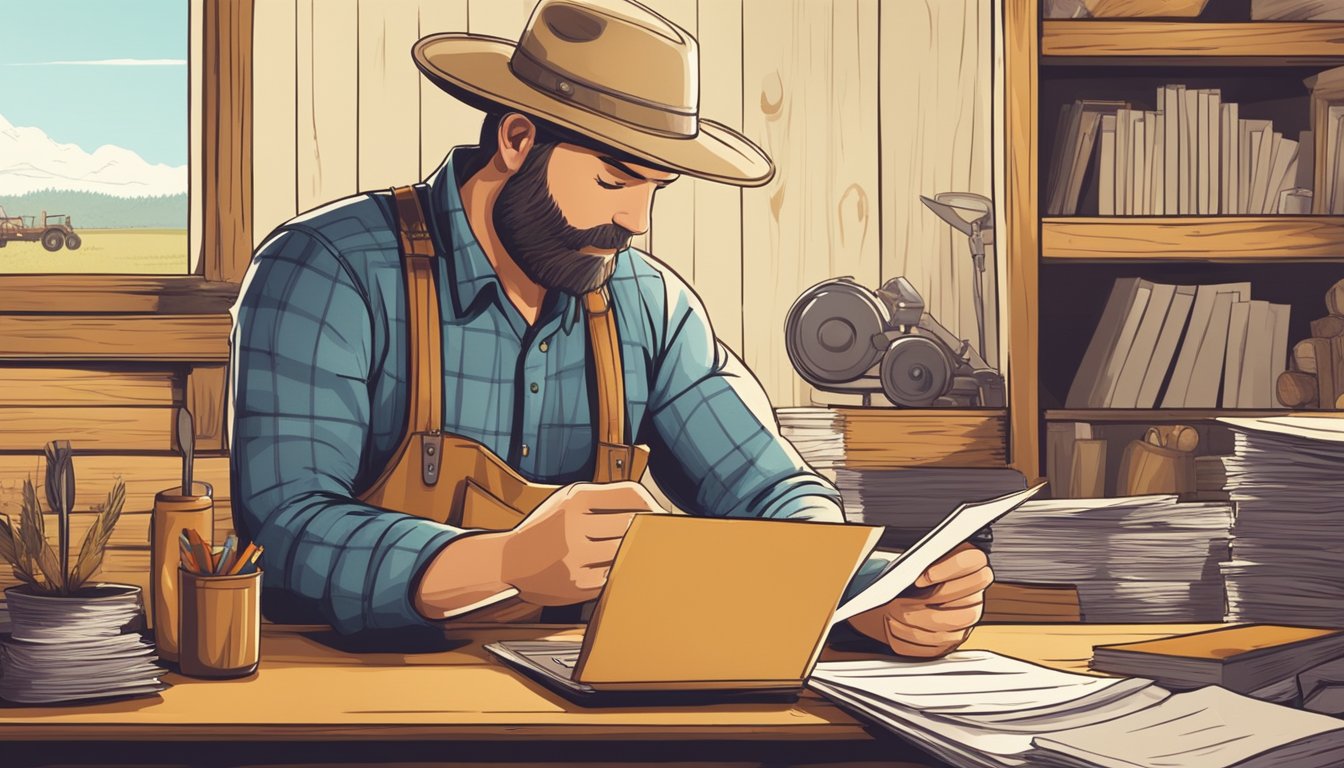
(558, 555)
(949, 600)
(562, 553)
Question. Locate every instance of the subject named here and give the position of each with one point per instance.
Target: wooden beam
(207, 399)
(1223, 238)
(113, 294)
(886, 438)
(188, 338)
(94, 474)
(1285, 42)
(226, 170)
(1022, 220)
(84, 387)
(113, 428)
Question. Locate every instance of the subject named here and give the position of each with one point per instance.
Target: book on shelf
(1261, 660)
(1297, 10)
(1192, 155)
(1076, 138)
(1201, 314)
(1222, 349)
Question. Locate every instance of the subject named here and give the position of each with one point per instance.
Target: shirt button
(535, 389)
(543, 346)
(525, 451)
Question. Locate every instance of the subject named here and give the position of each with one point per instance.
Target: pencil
(187, 560)
(243, 558)
(201, 551)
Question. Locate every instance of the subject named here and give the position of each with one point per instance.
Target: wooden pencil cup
(220, 624)
(173, 511)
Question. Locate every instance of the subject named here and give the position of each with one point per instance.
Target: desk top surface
(306, 687)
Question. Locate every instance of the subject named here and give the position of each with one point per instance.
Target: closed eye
(607, 184)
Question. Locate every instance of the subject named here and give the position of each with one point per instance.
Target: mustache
(605, 236)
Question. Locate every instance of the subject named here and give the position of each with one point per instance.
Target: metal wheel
(72, 241)
(53, 239)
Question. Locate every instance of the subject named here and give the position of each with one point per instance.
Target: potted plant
(56, 600)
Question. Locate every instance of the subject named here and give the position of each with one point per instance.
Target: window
(95, 137)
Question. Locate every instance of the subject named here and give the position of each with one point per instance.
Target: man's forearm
(466, 572)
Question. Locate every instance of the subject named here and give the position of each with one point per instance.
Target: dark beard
(535, 234)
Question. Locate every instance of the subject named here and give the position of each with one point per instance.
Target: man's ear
(517, 137)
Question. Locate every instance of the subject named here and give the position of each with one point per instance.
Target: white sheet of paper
(957, 527)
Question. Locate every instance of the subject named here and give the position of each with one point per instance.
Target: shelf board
(1174, 414)
(1199, 238)
(1268, 43)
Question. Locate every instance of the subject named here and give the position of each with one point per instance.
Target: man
(575, 144)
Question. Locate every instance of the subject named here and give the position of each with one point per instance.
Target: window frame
(93, 308)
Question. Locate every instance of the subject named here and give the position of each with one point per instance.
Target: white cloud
(106, 63)
(30, 160)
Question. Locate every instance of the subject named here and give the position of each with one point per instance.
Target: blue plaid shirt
(318, 360)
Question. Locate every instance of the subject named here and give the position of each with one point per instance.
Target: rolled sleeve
(301, 352)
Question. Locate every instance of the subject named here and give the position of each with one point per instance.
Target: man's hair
(548, 134)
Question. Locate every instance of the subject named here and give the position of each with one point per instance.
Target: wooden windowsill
(79, 294)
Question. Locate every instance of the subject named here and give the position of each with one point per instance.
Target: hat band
(637, 113)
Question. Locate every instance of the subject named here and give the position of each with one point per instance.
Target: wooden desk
(312, 702)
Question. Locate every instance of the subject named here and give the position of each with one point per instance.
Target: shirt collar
(469, 271)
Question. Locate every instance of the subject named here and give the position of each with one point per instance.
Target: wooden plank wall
(864, 105)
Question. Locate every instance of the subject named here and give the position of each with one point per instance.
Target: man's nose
(636, 218)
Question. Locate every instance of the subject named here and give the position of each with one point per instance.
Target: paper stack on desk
(909, 502)
(818, 434)
(64, 660)
(1285, 478)
(978, 708)
(1136, 558)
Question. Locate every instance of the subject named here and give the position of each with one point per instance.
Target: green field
(104, 251)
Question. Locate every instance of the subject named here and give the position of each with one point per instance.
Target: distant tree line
(95, 210)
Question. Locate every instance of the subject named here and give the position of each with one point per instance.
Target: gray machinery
(843, 337)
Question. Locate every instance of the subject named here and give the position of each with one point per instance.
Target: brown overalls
(453, 480)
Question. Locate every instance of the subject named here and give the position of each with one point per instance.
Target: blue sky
(137, 105)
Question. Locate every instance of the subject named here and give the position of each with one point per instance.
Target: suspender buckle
(431, 456)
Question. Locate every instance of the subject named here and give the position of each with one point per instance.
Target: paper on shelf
(957, 527)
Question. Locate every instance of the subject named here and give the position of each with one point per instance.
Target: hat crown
(613, 51)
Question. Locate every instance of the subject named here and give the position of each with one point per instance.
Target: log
(1304, 356)
(1327, 384)
(1296, 389)
(1328, 327)
(1334, 298)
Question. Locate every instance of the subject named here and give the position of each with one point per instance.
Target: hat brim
(477, 65)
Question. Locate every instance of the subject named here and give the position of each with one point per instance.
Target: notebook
(1242, 659)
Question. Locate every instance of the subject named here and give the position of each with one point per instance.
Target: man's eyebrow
(628, 171)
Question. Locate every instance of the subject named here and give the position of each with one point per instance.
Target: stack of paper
(56, 655)
(1208, 728)
(1136, 558)
(1285, 478)
(976, 707)
(910, 502)
(816, 433)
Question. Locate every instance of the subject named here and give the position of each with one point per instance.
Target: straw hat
(612, 70)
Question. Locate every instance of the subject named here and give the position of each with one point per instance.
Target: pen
(243, 559)
(200, 550)
(226, 555)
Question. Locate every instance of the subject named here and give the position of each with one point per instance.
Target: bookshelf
(1060, 268)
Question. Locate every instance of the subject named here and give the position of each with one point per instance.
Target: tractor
(54, 231)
